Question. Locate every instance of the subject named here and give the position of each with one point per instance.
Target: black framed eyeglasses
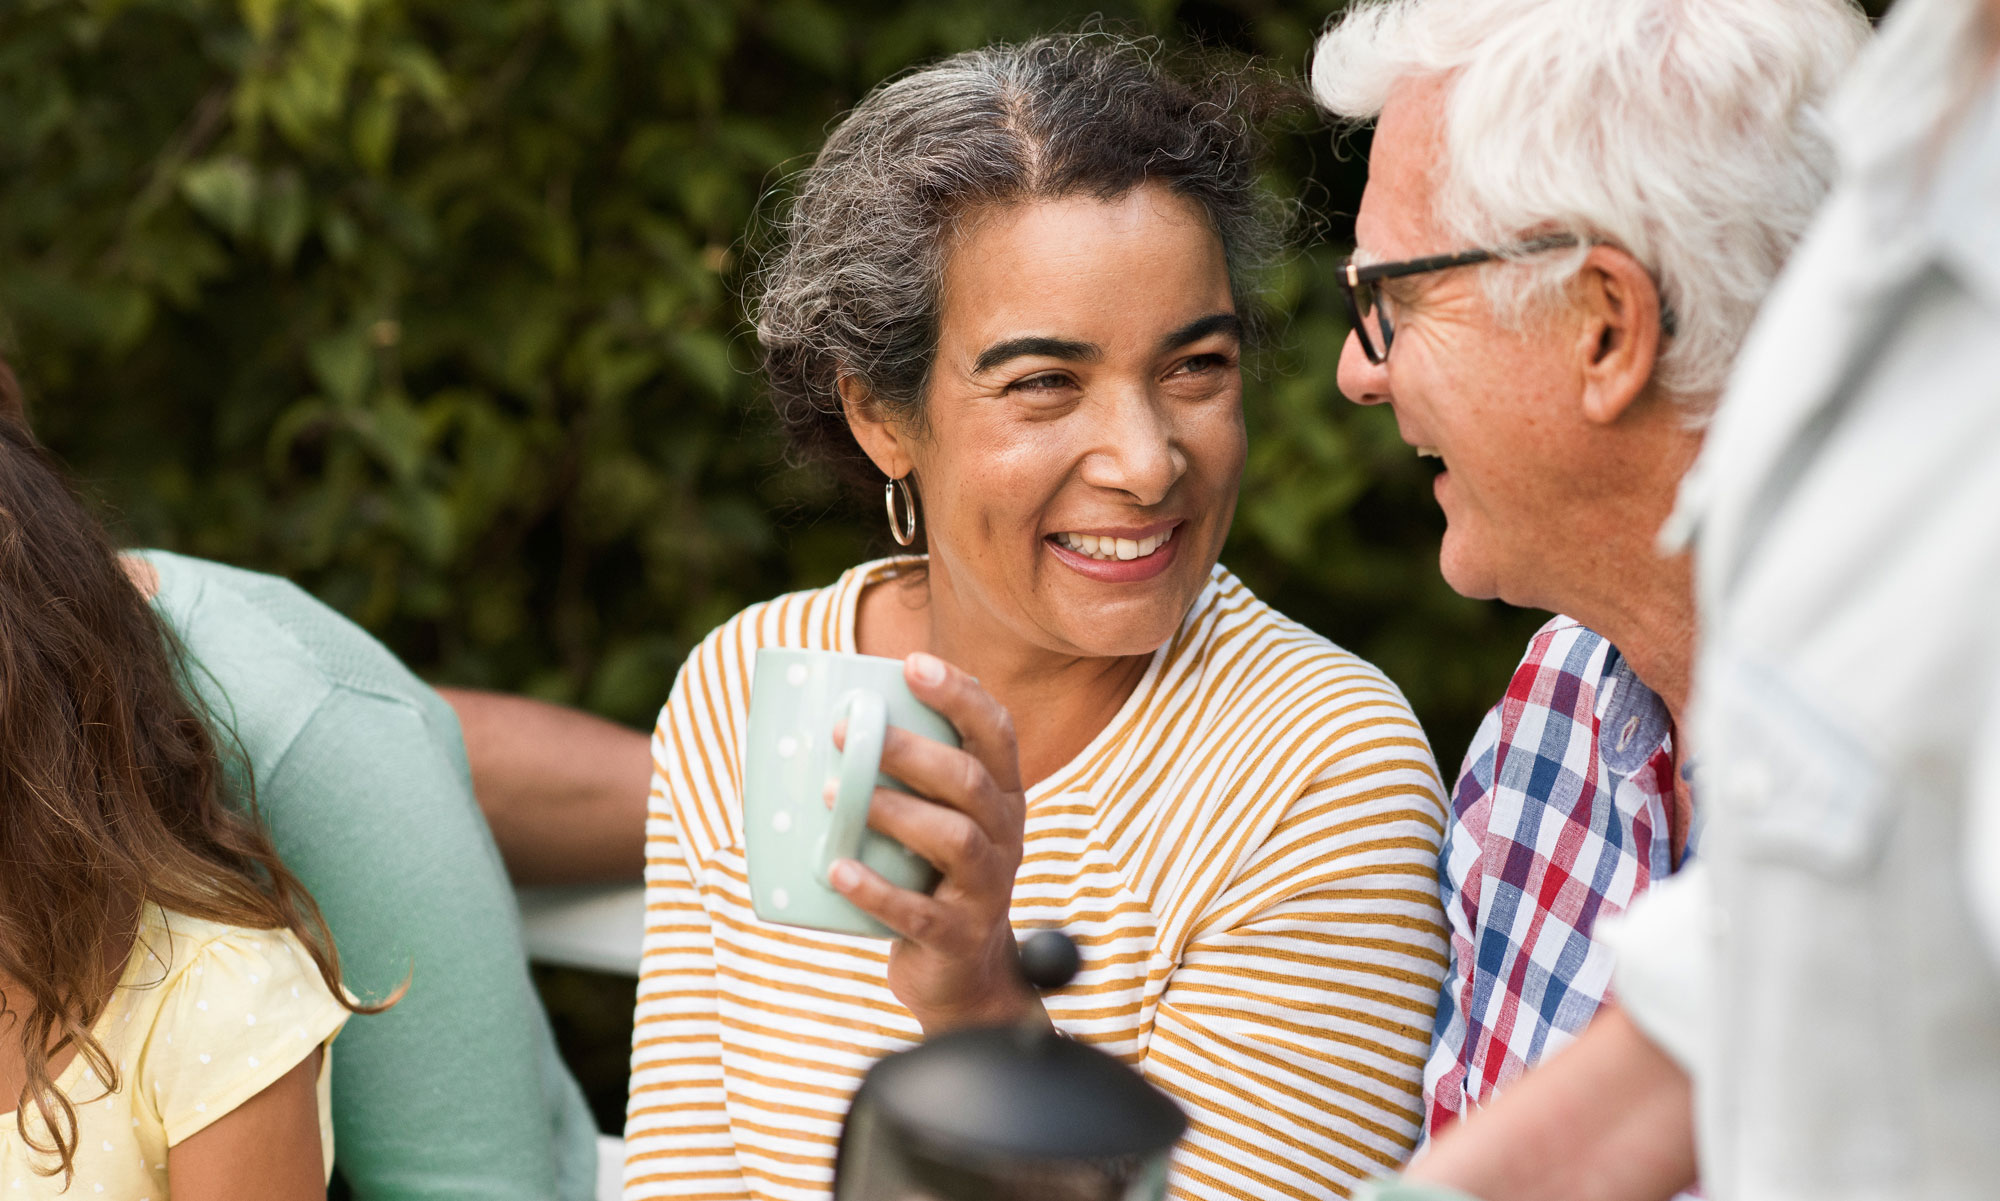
(1361, 288)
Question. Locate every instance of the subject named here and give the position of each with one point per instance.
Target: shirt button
(1630, 728)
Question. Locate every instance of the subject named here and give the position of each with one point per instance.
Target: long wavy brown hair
(112, 792)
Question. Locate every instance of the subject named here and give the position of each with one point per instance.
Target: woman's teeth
(1114, 548)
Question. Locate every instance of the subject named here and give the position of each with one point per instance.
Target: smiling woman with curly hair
(1014, 292)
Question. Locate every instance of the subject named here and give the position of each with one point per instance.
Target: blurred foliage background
(434, 307)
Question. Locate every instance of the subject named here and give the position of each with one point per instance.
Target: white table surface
(598, 927)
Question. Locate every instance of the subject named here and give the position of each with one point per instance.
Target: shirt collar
(1963, 215)
(1900, 212)
(1924, 202)
(1902, 86)
(1632, 719)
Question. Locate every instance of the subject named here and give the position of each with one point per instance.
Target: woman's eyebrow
(1043, 347)
(1202, 327)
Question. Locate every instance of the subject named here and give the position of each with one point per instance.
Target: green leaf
(374, 130)
(261, 16)
(343, 364)
(342, 235)
(397, 437)
(417, 67)
(100, 316)
(299, 418)
(704, 356)
(810, 32)
(632, 678)
(531, 340)
(425, 521)
(346, 10)
(285, 214)
(224, 190)
(309, 90)
(585, 22)
(619, 491)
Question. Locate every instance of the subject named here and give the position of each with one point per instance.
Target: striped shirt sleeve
(678, 1141)
(1295, 1027)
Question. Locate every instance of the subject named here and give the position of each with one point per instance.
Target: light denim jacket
(1829, 975)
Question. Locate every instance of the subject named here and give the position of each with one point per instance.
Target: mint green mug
(790, 836)
(1390, 1188)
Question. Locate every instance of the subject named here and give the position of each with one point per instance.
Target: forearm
(564, 791)
(1609, 1119)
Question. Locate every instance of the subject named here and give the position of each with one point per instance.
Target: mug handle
(860, 762)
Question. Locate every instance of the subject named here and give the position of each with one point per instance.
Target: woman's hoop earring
(904, 529)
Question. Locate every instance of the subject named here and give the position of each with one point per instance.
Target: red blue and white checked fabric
(1559, 817)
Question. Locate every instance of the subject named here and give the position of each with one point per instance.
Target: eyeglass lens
(1375, 311)
(1371, 319)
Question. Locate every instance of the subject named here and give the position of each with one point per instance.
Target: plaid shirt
(1560, 817)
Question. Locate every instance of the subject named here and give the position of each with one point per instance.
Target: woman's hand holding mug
(954, 964)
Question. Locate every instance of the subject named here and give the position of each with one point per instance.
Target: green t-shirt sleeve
(455, 1092)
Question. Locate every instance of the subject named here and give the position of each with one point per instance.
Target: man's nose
(1361, 381)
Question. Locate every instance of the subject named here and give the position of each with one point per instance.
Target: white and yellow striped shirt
(1246, 856)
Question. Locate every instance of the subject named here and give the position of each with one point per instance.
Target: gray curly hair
(852, 286)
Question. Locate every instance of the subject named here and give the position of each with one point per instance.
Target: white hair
(1688, 132)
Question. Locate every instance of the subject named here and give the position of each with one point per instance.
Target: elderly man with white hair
(1573, 210)
(1829, 976)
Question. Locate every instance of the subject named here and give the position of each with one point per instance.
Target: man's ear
(884, 441)
(1620, 341)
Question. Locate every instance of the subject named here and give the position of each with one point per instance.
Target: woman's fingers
(951, 842)
(950, 777)
(955, 963)
(911, 915)
(983, 723)
(951, 965)
(983, 778)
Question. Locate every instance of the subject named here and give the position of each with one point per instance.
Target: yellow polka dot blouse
(205, 1017)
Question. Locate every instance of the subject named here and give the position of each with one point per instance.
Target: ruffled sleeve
(241, 1008)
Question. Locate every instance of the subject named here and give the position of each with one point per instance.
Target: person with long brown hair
(356, 771)
(167, 986)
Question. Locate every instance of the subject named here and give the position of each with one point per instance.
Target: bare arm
(564, 791)
(266, 1149)
(1609, 1119)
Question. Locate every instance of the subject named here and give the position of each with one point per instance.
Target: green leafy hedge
(432, 305)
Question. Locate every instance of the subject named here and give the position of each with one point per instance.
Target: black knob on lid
(1049, 960)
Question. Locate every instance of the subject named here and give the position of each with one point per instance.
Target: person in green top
(360, 773)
